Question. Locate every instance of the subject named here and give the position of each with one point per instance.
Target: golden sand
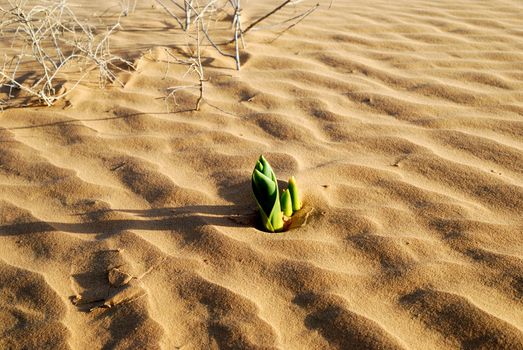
(403, 124)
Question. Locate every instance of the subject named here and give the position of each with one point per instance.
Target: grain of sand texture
(403, 124)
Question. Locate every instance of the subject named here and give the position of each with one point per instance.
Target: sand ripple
(125, 226)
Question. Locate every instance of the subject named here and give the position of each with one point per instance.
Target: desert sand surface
(403, 125)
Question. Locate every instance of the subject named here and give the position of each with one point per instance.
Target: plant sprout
(274, 212)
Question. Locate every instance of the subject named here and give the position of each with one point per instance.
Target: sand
(125, 226)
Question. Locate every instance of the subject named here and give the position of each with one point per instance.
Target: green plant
(266, 194)
(295, 196)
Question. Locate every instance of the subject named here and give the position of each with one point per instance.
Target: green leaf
(266, 194)
(295, 196)
(264, 190)
(259, 166)
(286, 203)
(267, 170)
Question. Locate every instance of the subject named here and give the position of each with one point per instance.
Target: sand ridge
(402, 123)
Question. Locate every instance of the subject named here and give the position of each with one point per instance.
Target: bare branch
(49, 39)
(301, 18)
(173, 15)
(267, 15)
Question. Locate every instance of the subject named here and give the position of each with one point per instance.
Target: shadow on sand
(183, 219)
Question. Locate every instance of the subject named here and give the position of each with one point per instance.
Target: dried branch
(267, 15)
(127, 6)
(237, 33)
(52, 39)
(194, 62)
(173, 15)
(301, 18)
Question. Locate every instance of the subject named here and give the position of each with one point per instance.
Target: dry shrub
(49, 46)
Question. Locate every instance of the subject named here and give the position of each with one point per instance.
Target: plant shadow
(182, 219)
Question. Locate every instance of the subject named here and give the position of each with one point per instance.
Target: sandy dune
(403, 124)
